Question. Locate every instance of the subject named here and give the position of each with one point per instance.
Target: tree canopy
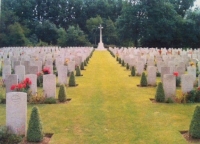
(147, 23)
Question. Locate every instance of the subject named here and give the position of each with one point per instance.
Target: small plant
(62, 95)
(160, 95)
(190, 96)
(82, 66)
(50, 100)
(132, 71)
(46, 70)
(143, 81)
(127, 66)
(169, 100)
(72, 81)
(120, 61)
(7, 138)
(123, 64)
(85, 63)
(35, 131)
(58, 84)
(117, 59)
(78, 71)
(194, 130)
(40, 79)
(158, 74)
(37, 99)
(178, 79)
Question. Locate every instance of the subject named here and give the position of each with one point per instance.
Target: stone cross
(100, 28)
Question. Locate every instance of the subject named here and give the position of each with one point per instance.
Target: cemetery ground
(108, 107)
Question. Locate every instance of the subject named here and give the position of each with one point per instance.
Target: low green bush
(72, 81)
(50, 100)
(194, 130)
(35, 130)
(143, 80)
(127, 66)
(7, 138)
(160, 95)
(62, 95)
(132, 71)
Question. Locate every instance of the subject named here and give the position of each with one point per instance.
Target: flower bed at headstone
(45, 70)
(23, 86)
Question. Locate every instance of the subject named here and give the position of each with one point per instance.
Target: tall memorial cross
(100, 28)
(100, 44)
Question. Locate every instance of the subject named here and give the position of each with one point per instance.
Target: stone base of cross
(100, 46)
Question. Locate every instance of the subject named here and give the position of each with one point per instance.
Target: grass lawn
(108, 108)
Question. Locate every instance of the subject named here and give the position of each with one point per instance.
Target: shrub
(194, 129)
(178, 81)
(143, 81)
(85, 63)
(120, 61)
(123, 64)
(82, 66)
(197, 97)
(158, 74)
(72, 81)
(190, 96)
(35, 132)
(7, 138)
(160, 95)
(37, 99)
(62, 95)
(127, 66)
(132, 71)
(117, 59)
(78, 71)
(50, 100)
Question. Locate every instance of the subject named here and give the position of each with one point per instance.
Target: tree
(76, 37)
(16, 35)
(62, 36)
(47, 32)
(92, 25)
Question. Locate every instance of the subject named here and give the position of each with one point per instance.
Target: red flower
(46, 70)
(12, 87)
(20, 86)
(176, 74)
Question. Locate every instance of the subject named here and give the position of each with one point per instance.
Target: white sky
(197, 2)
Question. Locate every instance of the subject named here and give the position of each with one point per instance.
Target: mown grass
(108, 108)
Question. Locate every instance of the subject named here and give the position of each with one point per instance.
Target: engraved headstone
(33, 69)
(6, 71)
(49, 85)
(9, 81)
(16, 112)
(20, 71)
(192, 71)
(62, 74)
(169, 86)
(151, 75)
(164, 70)
(187, 83)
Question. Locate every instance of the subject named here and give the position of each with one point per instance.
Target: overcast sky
(197, 2)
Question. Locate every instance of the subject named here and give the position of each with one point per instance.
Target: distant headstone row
(186, 62)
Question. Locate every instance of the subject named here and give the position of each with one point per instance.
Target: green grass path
(108, 108)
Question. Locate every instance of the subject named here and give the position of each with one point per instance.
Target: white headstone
(16, 112)
(49, 85)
